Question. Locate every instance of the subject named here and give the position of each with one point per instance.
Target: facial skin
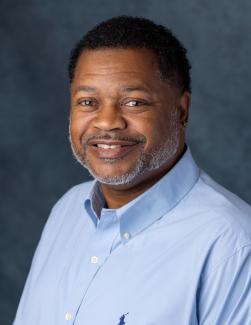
(126, 123)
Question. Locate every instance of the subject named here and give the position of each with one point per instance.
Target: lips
(111, 149)
(107, 146)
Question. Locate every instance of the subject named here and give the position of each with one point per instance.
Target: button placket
(98, 251)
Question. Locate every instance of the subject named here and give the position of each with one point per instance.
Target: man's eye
(86, 102)
(133, 103)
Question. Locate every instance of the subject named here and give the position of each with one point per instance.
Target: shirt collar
(154, 203)
(94, 202)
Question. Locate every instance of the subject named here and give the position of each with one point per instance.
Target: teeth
(106, 146)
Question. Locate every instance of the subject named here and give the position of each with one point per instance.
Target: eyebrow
(136, 88)
(85, 88)
(124, 89)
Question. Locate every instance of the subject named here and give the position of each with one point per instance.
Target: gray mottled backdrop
(36, 162)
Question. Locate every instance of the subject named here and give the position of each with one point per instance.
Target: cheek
(151, 128)
(78, 126)
(158, 132)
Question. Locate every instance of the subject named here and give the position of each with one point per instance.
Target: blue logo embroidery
(122, 319)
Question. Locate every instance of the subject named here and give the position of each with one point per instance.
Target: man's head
(130, 94)
(133, 32)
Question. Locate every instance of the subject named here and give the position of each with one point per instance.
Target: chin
(116, 176)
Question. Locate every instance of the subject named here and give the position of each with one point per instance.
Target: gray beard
(147, 161)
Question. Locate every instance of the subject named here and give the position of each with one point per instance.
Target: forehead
(104, 62)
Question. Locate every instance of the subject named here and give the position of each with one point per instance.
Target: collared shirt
(178, 254)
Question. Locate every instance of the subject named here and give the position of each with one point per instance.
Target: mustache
(115, 137)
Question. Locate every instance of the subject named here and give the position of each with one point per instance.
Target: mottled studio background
(35, 158)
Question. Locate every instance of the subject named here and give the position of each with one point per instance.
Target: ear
(184, 104)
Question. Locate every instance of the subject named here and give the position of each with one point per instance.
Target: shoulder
(224, 220)
(215, 210)
(224, 206)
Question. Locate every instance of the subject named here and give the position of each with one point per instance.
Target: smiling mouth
(111, 149)
(107, 146)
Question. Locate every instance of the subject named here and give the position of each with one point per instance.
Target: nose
(109, 118)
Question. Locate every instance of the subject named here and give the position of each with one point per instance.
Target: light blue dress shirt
(179, 254)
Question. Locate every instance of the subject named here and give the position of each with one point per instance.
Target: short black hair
(137, 32)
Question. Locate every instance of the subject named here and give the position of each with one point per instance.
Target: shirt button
(126, 235)
(94, 259)
(68, 316)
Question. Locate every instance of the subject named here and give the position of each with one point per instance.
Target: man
(153, 239)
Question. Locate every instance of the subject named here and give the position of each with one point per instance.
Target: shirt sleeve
(225, 294)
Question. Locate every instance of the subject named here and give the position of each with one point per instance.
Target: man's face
(125, 123)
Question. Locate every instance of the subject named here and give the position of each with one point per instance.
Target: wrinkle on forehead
(117, 61)
(116, 72)
(108, 71)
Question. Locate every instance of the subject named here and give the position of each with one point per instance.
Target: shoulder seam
(225, 261)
